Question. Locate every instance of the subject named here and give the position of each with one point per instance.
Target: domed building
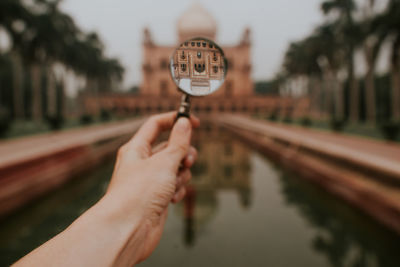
(158, 92)
(195, 22)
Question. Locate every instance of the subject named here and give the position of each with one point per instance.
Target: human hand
(125, 226)
(146, 180)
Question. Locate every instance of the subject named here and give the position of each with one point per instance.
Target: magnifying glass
(198, 67)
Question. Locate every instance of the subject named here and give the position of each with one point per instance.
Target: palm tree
(330, 59)
(319, 57)
(374, 32)
(63, 31)
(395, 71)
(392, 22)
(45, 40)
(387, 24)
(12, 13)
(47, 36)
(348, 35)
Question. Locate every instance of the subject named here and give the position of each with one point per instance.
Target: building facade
(198, 67)
(159, 93)
(195, 22)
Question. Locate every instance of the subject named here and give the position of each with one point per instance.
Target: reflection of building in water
(158, 91)
(198, 67)
(340, 231)
(222, 165)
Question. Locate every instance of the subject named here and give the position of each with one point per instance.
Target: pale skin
(125, 226)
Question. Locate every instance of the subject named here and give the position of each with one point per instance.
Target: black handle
(184, 108)
(182, 114)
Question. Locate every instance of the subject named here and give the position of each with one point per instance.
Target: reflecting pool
(241, 210)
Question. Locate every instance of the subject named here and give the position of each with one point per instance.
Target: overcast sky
(120, 23)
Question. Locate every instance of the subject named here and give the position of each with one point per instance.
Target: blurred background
(341, 57)
(310, 104)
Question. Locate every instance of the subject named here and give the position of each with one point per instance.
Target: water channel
(242, 210)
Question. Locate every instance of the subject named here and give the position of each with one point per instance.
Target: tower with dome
(195, 22)
(158, 92)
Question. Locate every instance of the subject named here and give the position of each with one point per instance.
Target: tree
(44, 36)
(391, 20)
(348, 35)
(14, 17)
(319, 57)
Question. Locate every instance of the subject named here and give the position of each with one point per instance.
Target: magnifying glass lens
(198, 67)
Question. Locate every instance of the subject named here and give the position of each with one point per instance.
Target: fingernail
(183, 124)
(190, 159)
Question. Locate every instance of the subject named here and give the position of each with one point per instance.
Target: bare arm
(125, 226)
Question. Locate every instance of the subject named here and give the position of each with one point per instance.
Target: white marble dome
(196, 22)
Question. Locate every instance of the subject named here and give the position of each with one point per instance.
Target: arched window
(199, 67)
(215, 69)
(183, 67)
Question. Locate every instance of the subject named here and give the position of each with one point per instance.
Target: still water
(241, 210)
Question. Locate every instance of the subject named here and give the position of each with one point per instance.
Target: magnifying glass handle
(184, 108)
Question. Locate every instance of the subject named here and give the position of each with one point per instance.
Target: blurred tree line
(45, 44)
(266, 87)
(325, 60)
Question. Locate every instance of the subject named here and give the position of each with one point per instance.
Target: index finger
(155, 125)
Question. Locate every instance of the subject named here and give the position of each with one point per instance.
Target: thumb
(179, 141)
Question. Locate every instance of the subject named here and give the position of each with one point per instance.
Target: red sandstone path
(371, 152)
(31, 147)
(374, 151)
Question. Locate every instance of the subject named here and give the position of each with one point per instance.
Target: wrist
(126, 228)
(119, 213)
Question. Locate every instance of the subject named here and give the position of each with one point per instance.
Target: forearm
(105, 235)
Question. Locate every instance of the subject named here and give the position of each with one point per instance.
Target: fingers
(156, 124)
(152, 128)
(195, 121)
(179, 195)
(159, 147)
(178, 143)
(183, 178)
(190, 158)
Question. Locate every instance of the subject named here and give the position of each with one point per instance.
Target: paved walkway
(367, 152)
(27, 148)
